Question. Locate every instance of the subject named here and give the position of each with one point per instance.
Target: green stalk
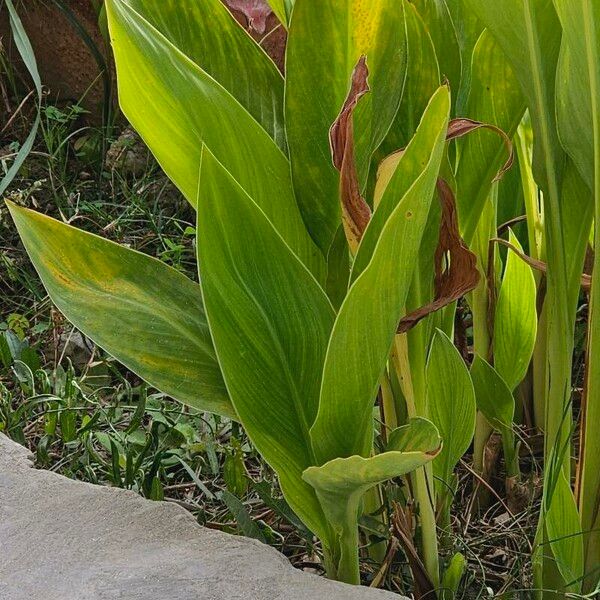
(480, 308)
(422, 484)
(589, 478)
(535, 235)
(348, 566)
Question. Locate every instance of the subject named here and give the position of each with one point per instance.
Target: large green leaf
(494, 98)
(207, 33)
(450, 403)
(396, 175)
(325, 42)
(515, 323)
(341, 483)
(146, 314)
(366, 323)
(438, 19)
(422, 79)
(270, 323)
(176, 107)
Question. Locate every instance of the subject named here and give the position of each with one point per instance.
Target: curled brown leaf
(462, 126)
(455, 266)
(355, 210)
(586, 280)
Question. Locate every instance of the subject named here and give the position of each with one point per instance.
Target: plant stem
(479, 302)
(421, 483)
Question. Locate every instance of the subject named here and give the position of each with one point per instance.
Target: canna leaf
(146, 314)
(282, 10)
(438, 20)
(455, 266)
(270, 322)
(210, 37)
(564, 534)
(323, 47)
(578, 116)
(417, 433)
(515, 324)
(366, 323)
(494, 98)
(422, 79)
(450, 403)
(494, 398)
(355, 210)
(341, 483)
(176, 107)
(396, 175)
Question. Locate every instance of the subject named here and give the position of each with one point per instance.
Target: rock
(65, 540)
(129, 155)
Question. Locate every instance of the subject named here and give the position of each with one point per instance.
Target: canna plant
(338, 228)
(282, 334)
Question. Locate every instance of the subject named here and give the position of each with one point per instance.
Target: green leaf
(27, 55)
(366, 323)
(147, 315)
(396, 175)
(270, 323)
(422, 79)
(282, 10)
(495, 98)
(324, 44)
(493, 396)
(208, 35)
(529, 33)
(577, 84)
(578, 115)
(452, 576)
(438, 20)
(176, 107)
(450, 403)
(515, 325)
(236, 507)
(416, 434)
(564, 534)
(341, 483)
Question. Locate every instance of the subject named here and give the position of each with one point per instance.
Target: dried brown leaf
(455, 266)
(355, 210)
(462, 126)
(586, 280)
(402, 524)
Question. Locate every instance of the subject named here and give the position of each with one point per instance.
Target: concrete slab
(66, 540)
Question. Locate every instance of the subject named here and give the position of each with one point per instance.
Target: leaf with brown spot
(462, 126)
(460, 275)
(355, 210)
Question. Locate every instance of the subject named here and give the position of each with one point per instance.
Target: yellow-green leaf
(326, 40)
(146, 314)
(367, 320)
(207, 34)
(450, 403)
(176, 107)
(515, 324)
(270, 322)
